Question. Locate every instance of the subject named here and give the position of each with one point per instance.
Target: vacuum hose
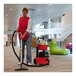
(13, 46)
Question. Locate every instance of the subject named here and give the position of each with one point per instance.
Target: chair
(57, 51)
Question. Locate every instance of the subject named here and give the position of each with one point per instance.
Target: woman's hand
(17, 30)
(22, 36)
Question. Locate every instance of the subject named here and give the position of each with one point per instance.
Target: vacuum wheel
(48, 61)
(35, 61)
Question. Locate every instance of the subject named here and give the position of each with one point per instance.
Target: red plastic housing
(42, 47)
(42, 60)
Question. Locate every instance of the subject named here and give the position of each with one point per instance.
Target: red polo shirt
(23, 24)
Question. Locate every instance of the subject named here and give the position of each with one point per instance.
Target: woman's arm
(29, 26)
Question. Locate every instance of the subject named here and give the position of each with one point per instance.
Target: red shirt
(23, 24)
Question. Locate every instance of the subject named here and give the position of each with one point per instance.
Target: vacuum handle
(20, 41)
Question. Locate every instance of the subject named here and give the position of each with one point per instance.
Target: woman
(25, 28)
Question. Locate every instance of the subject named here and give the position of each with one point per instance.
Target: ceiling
(38, 13)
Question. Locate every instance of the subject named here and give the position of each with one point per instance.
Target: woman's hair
(25, 9)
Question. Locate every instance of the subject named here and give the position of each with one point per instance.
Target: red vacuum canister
(42, 57)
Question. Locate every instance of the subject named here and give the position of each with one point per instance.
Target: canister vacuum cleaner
(41, 59)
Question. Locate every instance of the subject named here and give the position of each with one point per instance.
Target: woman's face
(24, 13)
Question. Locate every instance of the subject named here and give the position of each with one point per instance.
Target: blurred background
(51, 21)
